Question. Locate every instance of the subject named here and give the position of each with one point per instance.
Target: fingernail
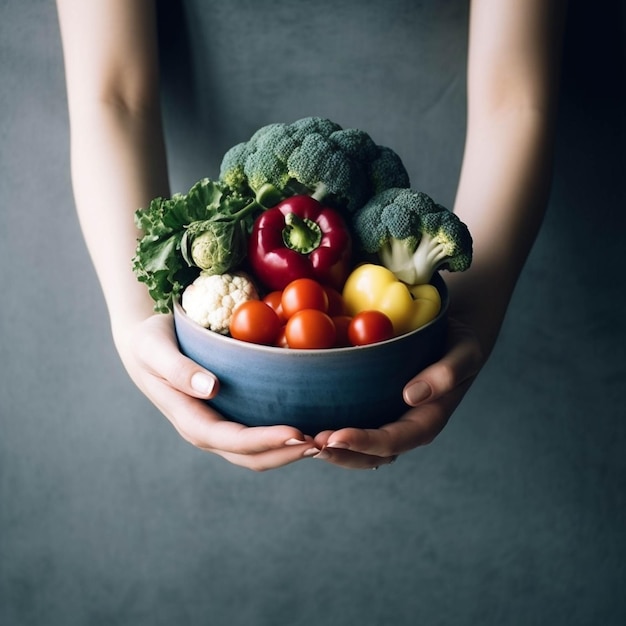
(202, 383)
(418, 392)
(311, 452)
(294, 442)
(341, 445)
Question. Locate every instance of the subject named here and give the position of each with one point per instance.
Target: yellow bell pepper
(374, 287)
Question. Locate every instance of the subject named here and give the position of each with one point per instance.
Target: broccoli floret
(314, 156)
(232, 164)
(412, 235)
(382, 171)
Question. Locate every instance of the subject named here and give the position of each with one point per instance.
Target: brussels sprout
(215, 245)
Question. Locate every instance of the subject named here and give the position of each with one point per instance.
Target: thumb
(461, 362)
(157, 350)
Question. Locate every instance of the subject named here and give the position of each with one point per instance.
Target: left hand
(434, 394)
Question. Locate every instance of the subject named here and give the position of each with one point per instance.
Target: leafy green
(169, 227)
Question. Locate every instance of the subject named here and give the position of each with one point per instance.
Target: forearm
(118, 166)
(502, 197)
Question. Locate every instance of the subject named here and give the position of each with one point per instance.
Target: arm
(117, 153)
(118, 165)
(513, 61)
(513, 71)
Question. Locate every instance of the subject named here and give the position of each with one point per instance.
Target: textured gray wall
(516, 515)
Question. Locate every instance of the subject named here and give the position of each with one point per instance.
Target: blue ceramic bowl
(313, 390)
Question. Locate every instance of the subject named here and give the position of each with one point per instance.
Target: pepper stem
(301, 234)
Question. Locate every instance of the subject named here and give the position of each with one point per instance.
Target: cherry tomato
(281, 340)
(272, 299)
(310, 329)
(303, 293)
(369, 327)
(342, 322)
(256, 322)
(336, 304)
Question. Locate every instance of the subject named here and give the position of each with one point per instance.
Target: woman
(119, 164)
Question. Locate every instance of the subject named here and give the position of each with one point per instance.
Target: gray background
(515, 515)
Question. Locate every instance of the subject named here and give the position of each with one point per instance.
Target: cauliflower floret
(211, 299)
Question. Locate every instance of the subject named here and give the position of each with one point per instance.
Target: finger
(353, 460)
(236, 438)
(205, 428)
(462, 361)
(321, 439)
(158, 351)
(271, 459)
(418, 427)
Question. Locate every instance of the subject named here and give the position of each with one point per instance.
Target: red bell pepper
(300, 238)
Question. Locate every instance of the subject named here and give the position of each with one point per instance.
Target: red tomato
(369, 327)
(256, 322)
(310, 329)
(342, 322)
(303, 293)
(272, 299)
(281, 340)
(336, 304)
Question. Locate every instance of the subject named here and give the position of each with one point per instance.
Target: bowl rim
(179, 313)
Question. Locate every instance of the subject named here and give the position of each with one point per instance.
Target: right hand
(179, 388)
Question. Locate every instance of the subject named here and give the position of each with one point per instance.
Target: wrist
(126, 312)
(479, 300)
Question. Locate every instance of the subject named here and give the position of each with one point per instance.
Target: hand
(434, 393)
(178, 387)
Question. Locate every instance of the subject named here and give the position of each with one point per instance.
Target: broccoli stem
(268, 196)
(414, 267)
(428, 256)
(320, 192)
(301, 234)
(237, 216)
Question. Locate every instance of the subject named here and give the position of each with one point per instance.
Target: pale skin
(119, 164)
